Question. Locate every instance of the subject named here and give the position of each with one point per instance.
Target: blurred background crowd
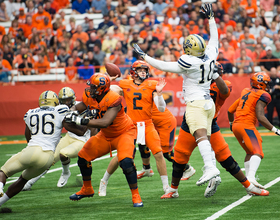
(82, 35)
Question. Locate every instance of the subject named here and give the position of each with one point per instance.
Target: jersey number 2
(203, 70)
(138, 96)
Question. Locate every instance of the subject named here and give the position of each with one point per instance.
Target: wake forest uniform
(45, 124)
(244, 123)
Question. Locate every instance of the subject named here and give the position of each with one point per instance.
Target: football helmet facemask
(137, 65)
(48, 98)
(194, 45)
(260, 80)
(99, 83)
(67, 96)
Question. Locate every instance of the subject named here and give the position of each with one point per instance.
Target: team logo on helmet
(99, 83)
(260, 80)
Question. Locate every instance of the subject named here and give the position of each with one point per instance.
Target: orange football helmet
(136, 65)
(99, 83)
(260, 80)
(218, 68)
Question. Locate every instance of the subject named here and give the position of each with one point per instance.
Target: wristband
(274, 129)
(215, 76)
(230, 123)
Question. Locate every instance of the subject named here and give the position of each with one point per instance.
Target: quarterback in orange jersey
(186, 143)
(248, 108)
(117, 132)
(139, 95)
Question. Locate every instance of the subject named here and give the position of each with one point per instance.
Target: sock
(245, 182)
(134, 191)
(205, 151)
(65, 166)
(146, 166)
(106, 176)
(254, 165)
(164, 180)
(174, 187)
(1, 185)
(213, 158)
(87, 183)
(4, 199)
(247, 166)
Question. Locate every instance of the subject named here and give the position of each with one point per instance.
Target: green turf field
(46, 201)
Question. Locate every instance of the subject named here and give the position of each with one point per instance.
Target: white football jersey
(198, 75)
(45, 125)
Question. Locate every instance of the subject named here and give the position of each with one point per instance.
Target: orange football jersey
(138, 98)
(160, 118)
(245, 105)
(121, 123)
(218, 97)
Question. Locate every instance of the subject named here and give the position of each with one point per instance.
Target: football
(112, 69)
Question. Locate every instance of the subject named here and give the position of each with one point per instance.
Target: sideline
(240, 201)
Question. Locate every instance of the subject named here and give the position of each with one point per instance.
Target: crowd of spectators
(40, 37)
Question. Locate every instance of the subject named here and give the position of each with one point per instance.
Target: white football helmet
(67, 96)
(194, 45)
(48, 98)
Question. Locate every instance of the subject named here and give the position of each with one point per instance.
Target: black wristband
(84, 121)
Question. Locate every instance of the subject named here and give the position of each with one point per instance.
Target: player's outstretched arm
(222, 86)
(262, 119)
(158, 98)
(172, 67)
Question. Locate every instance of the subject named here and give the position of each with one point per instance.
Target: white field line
(238, 202)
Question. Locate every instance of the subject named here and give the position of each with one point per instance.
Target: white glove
(139, 51)
(74, 118)
(276, 131)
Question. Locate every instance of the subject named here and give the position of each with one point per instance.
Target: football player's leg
(112, 167)
(146, 169)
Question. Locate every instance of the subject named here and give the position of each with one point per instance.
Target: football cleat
(63, 179)
(253, 190)
(102, 188)
(136, 199)
(255, 183)
(84, 192)
(1, 192)
(208, 174)
(212, 186)
(145, 172)
(170, 193)
(188, 173)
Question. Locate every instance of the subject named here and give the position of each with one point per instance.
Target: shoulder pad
(183, 64)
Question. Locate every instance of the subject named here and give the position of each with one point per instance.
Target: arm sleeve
(172, 67)
(160, 103)
(214, 39)
(233, 107)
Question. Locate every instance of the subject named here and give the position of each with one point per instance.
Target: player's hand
(139, 51)
(92, 114)
(160, 85)
(207, 11)
(276, 131)
(72, 117)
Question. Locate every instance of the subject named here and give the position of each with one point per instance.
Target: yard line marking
(60, 168)
(238, 202)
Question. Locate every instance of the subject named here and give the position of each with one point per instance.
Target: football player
(196, 67)
(139, 94)
(220, 90)
(42, 132)
(248, 108)
(68, 146)
(117, 132)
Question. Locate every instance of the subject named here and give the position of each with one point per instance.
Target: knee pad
(169, 156)
(178, 169)
(231, 165)
(129, 170)
(144, 151)
(85, 167)
(127, 165)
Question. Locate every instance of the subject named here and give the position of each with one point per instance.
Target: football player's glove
(92, 114)
(207, 11)
(276, 131)
(72, 117)
(139, 51)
